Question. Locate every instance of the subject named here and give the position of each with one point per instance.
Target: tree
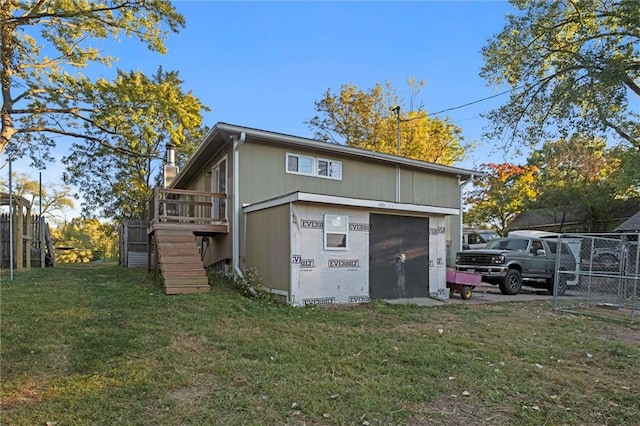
(364, 119)
(624, 176)
(43, 47)
(573, 67)
(503, 192)
(573, 178)
(55, 198)
(148, 114)
(84, 240)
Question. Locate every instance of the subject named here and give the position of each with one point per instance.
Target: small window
(330, 169)
(299, 164)
(336, 229)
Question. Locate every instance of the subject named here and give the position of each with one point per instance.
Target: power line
(462, 106)
(474, 102)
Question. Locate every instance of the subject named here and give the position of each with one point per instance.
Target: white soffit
(350, 202)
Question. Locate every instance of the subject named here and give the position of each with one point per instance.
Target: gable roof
(222, 133)
(559, 217)
(630, 225)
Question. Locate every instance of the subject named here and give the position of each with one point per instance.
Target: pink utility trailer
(463, 282)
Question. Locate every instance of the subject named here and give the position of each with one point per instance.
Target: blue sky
(263, 64)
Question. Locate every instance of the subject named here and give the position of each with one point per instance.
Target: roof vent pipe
(169, 168)
(170, 155)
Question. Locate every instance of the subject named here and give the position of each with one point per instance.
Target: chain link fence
(605, 279)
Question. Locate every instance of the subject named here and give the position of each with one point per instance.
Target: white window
(336, 232)
(300, 164)
(330, 169)
(310, 166)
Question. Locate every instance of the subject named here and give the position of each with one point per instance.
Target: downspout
(235, 236)
(235, 248)
(461, 185)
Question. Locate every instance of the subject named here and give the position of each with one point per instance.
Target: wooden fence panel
(133, 244)
(37, 245)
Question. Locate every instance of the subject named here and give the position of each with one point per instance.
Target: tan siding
(263, 177)
(219, 249)
(429, 189)
(268, 246)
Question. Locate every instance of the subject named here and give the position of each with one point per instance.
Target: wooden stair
(180, 263)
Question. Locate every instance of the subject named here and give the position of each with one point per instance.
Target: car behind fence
(608, 276)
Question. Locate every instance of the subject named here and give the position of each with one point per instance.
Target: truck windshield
(515, 244)
(488, 236)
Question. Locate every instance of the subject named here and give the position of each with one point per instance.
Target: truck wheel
(511, 283)
(550, 282)
(562, 287)
(466, 292)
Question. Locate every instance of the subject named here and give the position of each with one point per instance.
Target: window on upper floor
(300, 164)
(311, 166)
(329, 168)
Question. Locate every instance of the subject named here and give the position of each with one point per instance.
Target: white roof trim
(349, 202)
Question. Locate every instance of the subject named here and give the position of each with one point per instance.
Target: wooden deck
(204, 213)
(176, 218)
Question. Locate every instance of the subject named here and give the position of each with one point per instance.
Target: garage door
(399, 256)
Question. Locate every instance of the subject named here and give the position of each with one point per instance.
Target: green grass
(102, 345)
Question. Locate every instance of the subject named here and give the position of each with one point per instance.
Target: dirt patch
(28, 393)
(183, 343)
(626, 335)
(458, 410)
(190, 395)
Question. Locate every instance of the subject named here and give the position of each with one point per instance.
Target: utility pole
(397, 111)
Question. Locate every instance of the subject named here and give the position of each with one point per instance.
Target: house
(630, 225)
(319, 223)
(562, 219)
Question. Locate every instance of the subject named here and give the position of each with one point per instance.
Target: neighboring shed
(318, 222)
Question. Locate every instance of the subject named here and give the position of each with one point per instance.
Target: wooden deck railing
(178, 206)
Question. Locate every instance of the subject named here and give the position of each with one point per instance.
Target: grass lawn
(101, 345)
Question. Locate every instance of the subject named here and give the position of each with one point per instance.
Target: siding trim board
(351, 202)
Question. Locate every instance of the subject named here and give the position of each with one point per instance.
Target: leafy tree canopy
(84, 240)
(365, 119)
(574, 67)
(576, 177)
(148, 113)
(625, 175)
(44, 46)
(498, 196)
(55, 198)
(573, 178)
